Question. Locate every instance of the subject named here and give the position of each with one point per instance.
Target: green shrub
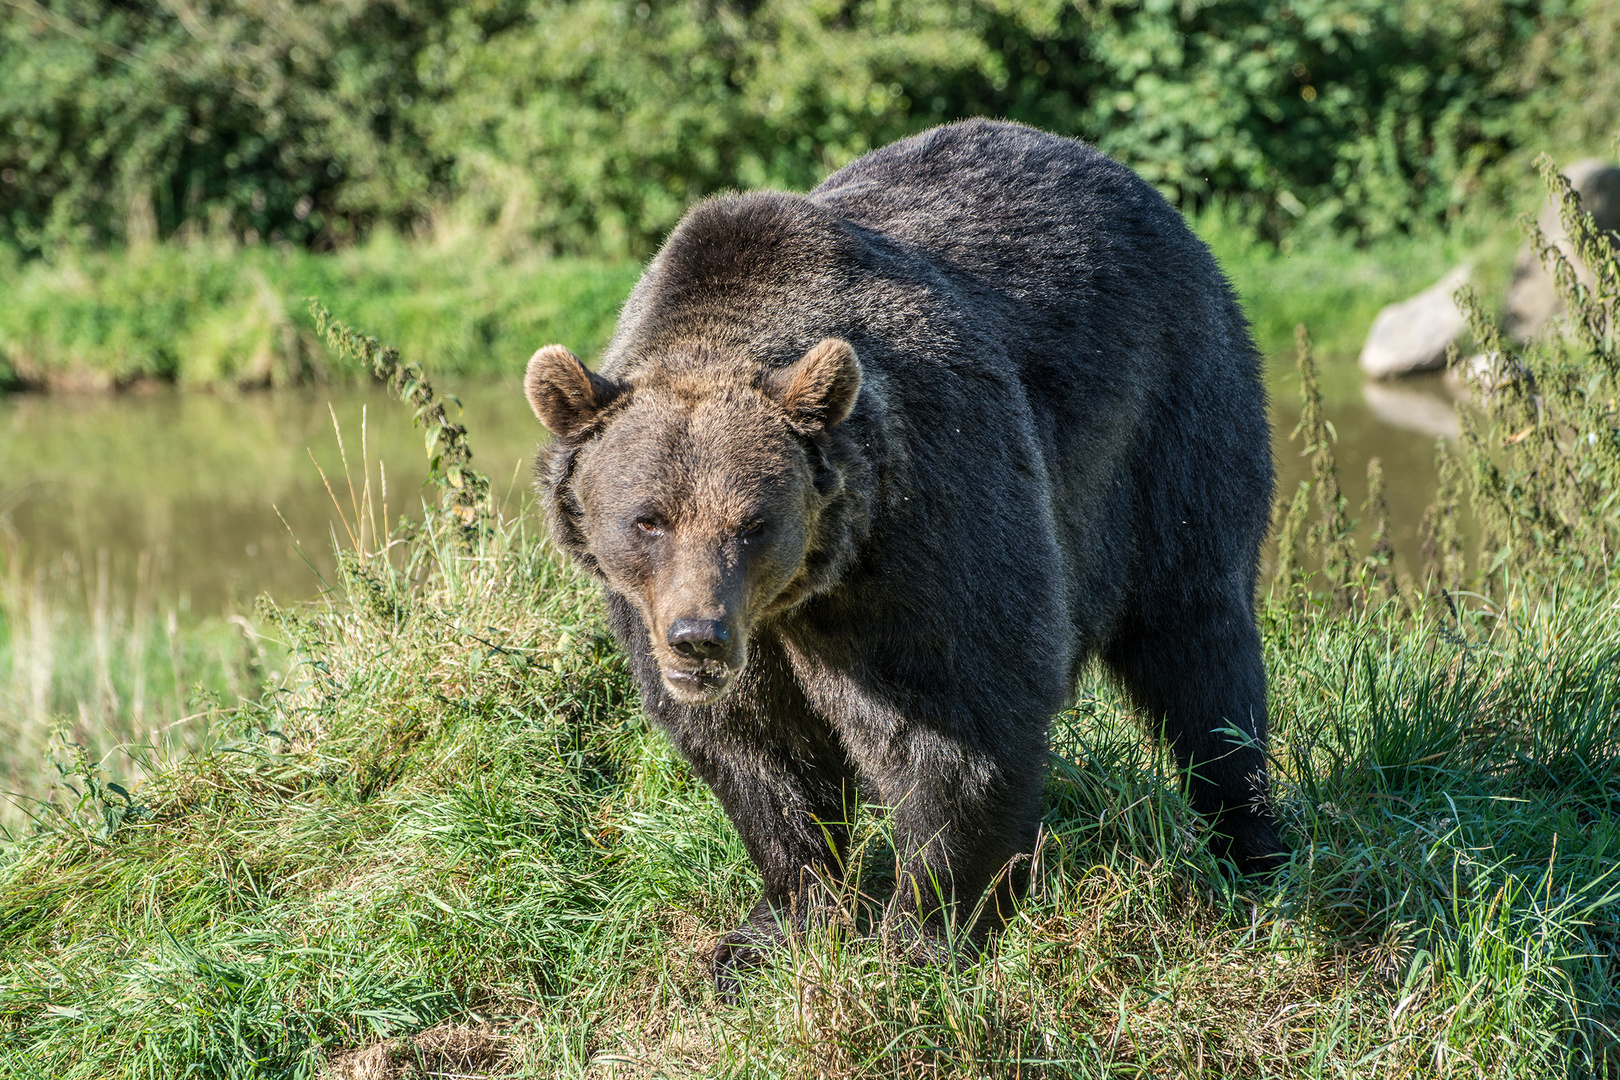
(586, 126)
(1544, 452)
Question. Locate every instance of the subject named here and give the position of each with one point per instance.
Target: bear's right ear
(564, 393)
(820, 389)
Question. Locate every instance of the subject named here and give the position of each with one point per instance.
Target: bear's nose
(700, 639)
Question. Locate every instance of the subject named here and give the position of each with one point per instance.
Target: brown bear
(869, 474)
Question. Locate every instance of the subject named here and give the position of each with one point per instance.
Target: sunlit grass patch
(451, 813)
(220, 315)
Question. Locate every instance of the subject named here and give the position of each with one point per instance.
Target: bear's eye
(751, 529)
(649, 527)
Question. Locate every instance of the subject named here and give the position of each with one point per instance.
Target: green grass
(220, 315)
(446, 834)
(443, 839)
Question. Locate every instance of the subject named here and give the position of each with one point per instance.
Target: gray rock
(1532, 303)
(1412, 335)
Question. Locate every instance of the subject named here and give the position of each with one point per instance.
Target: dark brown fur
(869, 474)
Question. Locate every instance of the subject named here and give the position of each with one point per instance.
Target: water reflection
(1421, 407)
(1397, 423)
(203, 501)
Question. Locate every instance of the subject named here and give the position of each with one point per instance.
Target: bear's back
(1038, 220)
(980, 242)
(1051, 360)
(1095, 292)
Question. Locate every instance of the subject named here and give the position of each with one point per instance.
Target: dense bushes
(588, 125)
(130, 120)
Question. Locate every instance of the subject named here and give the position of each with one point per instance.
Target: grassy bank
(218, 315)
(445, 839)
(222, 315)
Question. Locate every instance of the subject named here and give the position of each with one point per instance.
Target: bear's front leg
(781, 774)
(965, 819)
(791, 800)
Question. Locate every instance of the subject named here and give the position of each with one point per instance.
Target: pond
(198, 502)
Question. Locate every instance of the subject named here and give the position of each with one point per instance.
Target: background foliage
(586, 126)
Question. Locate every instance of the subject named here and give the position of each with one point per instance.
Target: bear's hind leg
(1199, 673)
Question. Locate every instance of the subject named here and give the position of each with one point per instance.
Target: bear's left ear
(564, 393)
(820, 389)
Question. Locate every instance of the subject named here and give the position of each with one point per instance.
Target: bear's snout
(704, 655)
(699, 639)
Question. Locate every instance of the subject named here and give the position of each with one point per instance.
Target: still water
(198, 502)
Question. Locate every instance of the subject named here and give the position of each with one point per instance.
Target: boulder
(1412, 335)
(1532, 302)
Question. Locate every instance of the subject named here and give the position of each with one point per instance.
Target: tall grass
(445, 842)
(1544, 453)
(119, 679)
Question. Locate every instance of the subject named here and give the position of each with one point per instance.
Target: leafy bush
(588, 125)
(132, 120)
(1545, 452)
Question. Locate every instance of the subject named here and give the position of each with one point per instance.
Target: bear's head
(694, 490)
